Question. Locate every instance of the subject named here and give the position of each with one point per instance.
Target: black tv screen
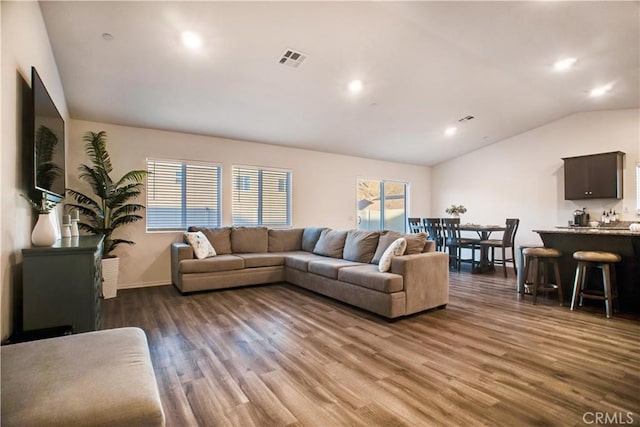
(48, 141)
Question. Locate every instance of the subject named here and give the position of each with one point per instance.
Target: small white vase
(43, 234)
(455, 215)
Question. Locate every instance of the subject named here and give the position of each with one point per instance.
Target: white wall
(324, 185)
(24, 43)
(523, 176)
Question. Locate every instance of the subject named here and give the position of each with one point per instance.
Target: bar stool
(604, 261)
(536, 260)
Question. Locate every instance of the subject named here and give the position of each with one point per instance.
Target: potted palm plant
(108, 208)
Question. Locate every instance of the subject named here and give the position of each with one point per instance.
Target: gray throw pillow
(310, 237)
(285, 240)
(249, 240)
(330, 243)
(220, 238)
(415, 243)
(387, 237)
(360, 245)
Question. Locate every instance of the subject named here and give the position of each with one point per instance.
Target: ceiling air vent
(465, 119)
(292, 58)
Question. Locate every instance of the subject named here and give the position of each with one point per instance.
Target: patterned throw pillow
(395, 249)
(201, 246)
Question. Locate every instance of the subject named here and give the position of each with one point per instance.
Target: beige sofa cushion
(96, 378)
(262, 260)
(285, 240)
(360, 245)
(249, 240)
(387, 237)
(331, 243)
(368, 276)
(211, 265)
(300, 260)
(329, 267)
(220, 238)
(415, 243)
(310, 237)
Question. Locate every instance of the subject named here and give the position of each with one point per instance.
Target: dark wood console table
(62, 285)
(623, 242)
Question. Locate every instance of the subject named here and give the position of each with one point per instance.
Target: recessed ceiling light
(107, 36)
(450, 131)
(564, 64)
(191, 40)
(355, 86)
(599, 91)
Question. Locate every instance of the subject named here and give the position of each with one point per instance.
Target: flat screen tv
(48, 142)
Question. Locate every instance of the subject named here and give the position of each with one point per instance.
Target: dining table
(484, 232)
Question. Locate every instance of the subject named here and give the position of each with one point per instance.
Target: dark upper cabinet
(597, 176)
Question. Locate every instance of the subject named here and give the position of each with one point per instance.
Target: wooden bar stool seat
(535, 273)
(605, 261)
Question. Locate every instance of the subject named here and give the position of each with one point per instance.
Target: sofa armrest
(179, 251)
(425, 278)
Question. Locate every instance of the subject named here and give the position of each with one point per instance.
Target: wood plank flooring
(280, 356)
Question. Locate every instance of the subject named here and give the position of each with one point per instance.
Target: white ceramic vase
(110, 269)
(455, 215)
(43, 234)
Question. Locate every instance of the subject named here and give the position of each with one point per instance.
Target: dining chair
(455, 243)
(415, 225)
(433, 226)
(507, 242)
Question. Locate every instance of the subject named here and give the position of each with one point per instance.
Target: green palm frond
(115, 242)
(98, 181)
(111, 208)
(96, 148)
(83, 200)
(135, 176)
(126, 219)
(125, 210)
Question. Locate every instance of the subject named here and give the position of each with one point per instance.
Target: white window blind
(261, 197)
(181, 194)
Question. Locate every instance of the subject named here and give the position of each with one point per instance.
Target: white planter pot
(110, 269)
(43, 234)
(455, 215)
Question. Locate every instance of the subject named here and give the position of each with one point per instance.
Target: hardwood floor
(278, 355)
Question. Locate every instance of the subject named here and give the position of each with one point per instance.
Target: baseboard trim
(142, 285)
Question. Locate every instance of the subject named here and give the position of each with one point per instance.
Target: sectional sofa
(339, 264)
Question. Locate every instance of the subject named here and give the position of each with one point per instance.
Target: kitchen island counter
(618, 231)
(625, 243)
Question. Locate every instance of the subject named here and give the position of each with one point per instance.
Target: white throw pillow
(396, 248)
(201, 246)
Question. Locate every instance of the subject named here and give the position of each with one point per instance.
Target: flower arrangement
(460, 209)
(44, 207)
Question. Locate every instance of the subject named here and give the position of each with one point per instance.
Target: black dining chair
(433, 226)
(455, 243)
(507, 242)
(415, 225)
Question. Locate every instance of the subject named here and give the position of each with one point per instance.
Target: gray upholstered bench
(97, 378)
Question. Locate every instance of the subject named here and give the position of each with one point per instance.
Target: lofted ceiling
(423, 65)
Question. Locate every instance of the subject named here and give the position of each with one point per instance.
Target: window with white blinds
(182, 194)
(261, 197)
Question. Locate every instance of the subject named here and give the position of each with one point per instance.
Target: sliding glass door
(381, 205)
